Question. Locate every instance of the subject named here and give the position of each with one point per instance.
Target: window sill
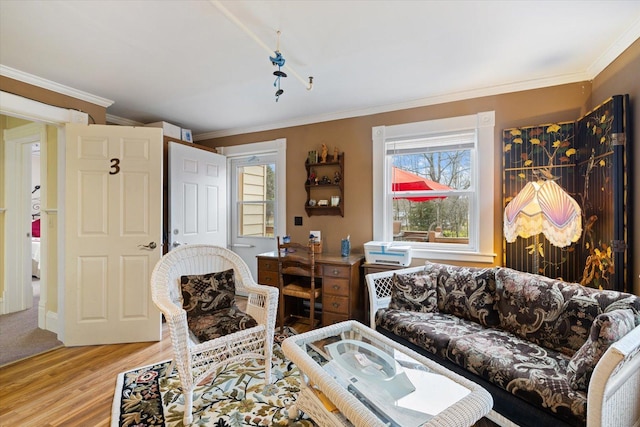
(442, 255)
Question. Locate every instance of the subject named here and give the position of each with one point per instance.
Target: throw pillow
(466, 292)
(414, 292)
(606, 329)
(203, 294)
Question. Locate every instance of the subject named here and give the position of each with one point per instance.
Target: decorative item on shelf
(335, 154)
(312, 202)
(323, 155)
(323, 202)
(335, 200)
(337, 177)
(325, 180)
(313, 157)
(543, 207)
(312, 177)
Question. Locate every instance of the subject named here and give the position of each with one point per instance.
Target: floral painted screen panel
(540, 153)
(588, 159)
(603, 194)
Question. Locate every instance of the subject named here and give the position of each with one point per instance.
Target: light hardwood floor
(74, 386)
(71, 386)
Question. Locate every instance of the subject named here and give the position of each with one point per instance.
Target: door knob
(151, 245)
(176, 244)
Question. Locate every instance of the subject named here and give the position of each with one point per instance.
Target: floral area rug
(234, 396)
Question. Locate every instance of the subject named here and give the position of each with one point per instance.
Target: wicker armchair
(196, 360)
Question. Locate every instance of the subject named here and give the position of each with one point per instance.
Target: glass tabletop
(398, 389)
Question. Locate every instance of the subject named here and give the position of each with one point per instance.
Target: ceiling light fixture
(308, 83)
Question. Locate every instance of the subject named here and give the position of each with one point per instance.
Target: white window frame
(481, 221)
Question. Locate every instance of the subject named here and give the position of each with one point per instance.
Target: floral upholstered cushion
(606, 329)
(414, 292)
(220, 323)
(209, 300)
(431, 331)
(205, 293)
(553, 313)
(526, 370)
(467, 292)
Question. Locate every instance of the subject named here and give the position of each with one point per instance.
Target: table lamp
(543, 207)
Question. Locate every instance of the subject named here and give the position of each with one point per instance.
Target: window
(256, 200)
(433, 187)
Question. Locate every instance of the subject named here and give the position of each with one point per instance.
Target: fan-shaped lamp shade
(543, 207)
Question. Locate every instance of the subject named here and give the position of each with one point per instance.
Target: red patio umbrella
(403, 180)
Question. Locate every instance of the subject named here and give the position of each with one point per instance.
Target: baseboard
(51, 322)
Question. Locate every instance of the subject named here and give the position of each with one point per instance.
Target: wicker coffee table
(353, 375)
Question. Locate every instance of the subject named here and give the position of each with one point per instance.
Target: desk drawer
(268, 278)
(268, 265)
(335, 304)
(336, 271)
(332, 318)
(334, 286)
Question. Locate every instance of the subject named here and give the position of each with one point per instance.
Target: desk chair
(296, 280)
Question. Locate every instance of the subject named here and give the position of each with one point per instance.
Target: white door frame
(18, 293)
(277, 146)
(17, 106)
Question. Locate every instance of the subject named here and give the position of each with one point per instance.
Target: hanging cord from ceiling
(308, 83)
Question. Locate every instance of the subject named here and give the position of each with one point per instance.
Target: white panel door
(112, 234)
(197, 196)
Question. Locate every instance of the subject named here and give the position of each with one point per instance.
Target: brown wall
(619, 78)
(353, 136)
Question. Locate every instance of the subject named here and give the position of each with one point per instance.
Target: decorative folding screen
(588, 159)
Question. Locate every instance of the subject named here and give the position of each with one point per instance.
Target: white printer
(387, 253)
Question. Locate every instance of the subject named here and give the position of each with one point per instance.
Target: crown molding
(116, 120)
(422, 102)
(612, 52)
(53, 86)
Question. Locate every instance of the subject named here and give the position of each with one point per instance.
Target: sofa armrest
(614, 390)
(379, 286)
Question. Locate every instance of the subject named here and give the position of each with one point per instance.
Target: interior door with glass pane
(253, 207)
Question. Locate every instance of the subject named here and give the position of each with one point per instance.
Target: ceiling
(191, 64)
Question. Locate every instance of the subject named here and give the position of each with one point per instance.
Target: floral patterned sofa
(551, 353)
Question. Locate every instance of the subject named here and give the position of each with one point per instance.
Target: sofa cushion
(466, 292)
(606, 329)
(553, 313)
(527, 370)
(431, 331)
(414, 292)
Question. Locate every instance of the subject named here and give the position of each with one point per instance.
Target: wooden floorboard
(74, 386)
(71, 386)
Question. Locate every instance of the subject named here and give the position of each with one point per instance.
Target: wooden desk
(342, 292)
